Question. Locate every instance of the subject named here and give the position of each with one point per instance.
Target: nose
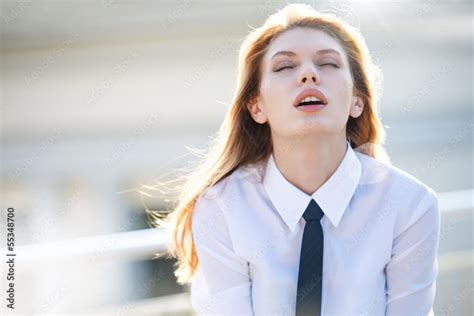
(308, 75)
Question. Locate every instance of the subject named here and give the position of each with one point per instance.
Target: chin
(316, 123)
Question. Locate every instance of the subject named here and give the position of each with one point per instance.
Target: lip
(311, 108)
(310, 92)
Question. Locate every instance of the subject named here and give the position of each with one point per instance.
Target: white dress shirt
(381, 232)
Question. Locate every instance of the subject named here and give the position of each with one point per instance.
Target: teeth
(310, 98)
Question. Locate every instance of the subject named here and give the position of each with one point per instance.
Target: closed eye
(330, 64)
(284, 67)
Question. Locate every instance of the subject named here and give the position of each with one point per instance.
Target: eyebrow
(293, 54)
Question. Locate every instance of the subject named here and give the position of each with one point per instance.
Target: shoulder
(216, 202)
(403, 192)
(376, 172)
(231, 187)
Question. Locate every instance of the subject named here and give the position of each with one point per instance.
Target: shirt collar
(333, 196)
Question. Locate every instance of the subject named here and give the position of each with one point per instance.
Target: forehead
(303, 40)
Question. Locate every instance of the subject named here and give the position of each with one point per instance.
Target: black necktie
(308, 298)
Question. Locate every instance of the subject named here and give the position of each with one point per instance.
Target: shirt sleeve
(222, 283)
(413, 268)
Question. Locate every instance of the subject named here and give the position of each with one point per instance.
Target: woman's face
(305, 62)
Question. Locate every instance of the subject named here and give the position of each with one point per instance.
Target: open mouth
(310, 101)
(310, 98)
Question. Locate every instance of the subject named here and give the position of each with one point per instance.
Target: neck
(309, 162)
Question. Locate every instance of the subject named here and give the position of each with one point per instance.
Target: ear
(255, 108)
(357, 106)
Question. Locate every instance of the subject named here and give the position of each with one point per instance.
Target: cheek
(344, 89)
(273, 92)
(265, 89)
(272, 83)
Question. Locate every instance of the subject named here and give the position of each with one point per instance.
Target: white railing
(126, 246)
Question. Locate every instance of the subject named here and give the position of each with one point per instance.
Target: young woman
(297, 209)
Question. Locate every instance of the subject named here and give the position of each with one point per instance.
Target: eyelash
(289, 67)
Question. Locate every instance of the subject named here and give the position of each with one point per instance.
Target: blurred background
(101, 97)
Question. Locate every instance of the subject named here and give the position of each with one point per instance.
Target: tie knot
(313, 212)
